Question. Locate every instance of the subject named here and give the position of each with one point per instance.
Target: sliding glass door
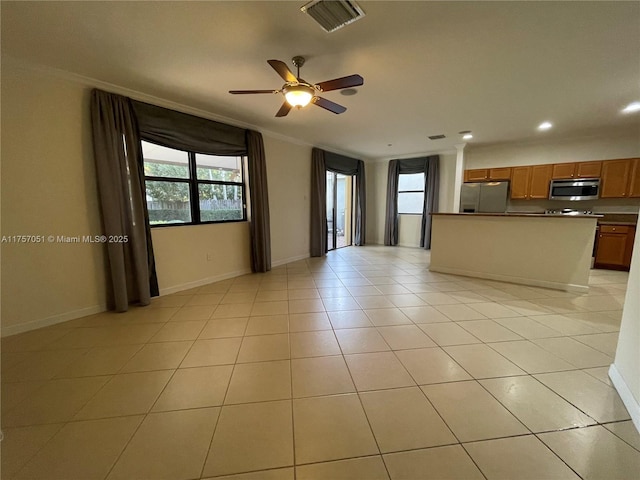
(339, 210)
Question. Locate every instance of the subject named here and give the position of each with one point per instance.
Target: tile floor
(363, 365)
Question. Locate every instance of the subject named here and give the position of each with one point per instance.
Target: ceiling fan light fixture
(298, 95)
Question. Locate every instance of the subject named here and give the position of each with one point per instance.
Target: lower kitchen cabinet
(614, 244)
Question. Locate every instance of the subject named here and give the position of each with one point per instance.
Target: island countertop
(543, 215)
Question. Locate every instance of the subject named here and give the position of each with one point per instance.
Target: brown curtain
(259, 225)
(318, 203)
(118, 158)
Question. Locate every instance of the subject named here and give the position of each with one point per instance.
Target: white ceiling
(496, 68)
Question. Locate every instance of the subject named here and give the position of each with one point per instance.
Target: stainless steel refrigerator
(486, 197)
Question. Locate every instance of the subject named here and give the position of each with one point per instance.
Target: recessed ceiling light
(632, 107)
(545, 126)
(467, 136)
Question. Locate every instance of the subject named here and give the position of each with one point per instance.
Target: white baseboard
(277, 263)
(53, 320)
(633, 407)
(203, 281)
(567, 287)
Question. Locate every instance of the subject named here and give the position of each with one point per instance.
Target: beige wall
(625, 371)
(49, 188)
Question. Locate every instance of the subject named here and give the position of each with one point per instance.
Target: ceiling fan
(299, 93)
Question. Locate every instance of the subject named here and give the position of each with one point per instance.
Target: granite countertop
(619, 219)
(534, 215)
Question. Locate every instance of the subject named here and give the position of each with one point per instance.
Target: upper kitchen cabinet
(487, 174)
(531, 182)
(576, 170)
(620, 178)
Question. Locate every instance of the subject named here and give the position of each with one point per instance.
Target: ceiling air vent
(437, 137)
(333, 14)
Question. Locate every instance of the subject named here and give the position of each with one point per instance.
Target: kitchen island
(551, 251)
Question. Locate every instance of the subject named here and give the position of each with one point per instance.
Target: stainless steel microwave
(580, 189)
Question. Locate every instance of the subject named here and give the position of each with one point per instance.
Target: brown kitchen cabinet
(620, 178)
(576, 170)
(487, 174)
(531, 182)
(614, 245)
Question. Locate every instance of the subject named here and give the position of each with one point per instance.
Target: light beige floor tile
(268, 325)
(158, 356)
(234, 310)
(308, 322)
(264, 347)
(600, 373)
(594, 453)
(334, 292)
(82, 449)
(349, 319)
(566, 325)
(272, 295)
(126, 394)
(355, 282)
(403, 419)
(309, 305)
(320, 376)
(574, 352)
(382, 317)
(459, 311)
(406, 300)
(338, 304)
(170, 300)
(20, 444)
(195, 388)
(559, 305)
(100, 361)
(467, 296)
(331, 428)
(56, 401)
(593, 397)
(626, 431)
(388, 287)
(205, 299)
(535, 405)
(251, 437)
(471, 412)
(361, 340)
(270, 308)
(220, 351)
(520, 457)
(168, 445)
(524, 307)
(603, 342)
(440, 463)
(437, 298)
(599, 303)
(377, 371)
(33, 340)
(275, 474)
(363, 291)
(179, 331)
(13, 394)
(303, 293)
(314, 344)
(489, 331)
(431, 365)
(601, 321)
(426, 314)
(258, 382)
(527, 327)
(480, 361)
(402, 337)
(193, 313)
(374, 302)
(448, 333)
(493, 310)
(369, 468)
(42, 365)
(238, 297)
(530, 357)
(217, 287)
(224, 328)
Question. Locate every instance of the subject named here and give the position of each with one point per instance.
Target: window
(191, 188)
(411, 193)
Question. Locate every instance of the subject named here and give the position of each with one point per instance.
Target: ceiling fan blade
(343, 82)
(329, 105)
(284, 109)
(249, 92)
(282, 70)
